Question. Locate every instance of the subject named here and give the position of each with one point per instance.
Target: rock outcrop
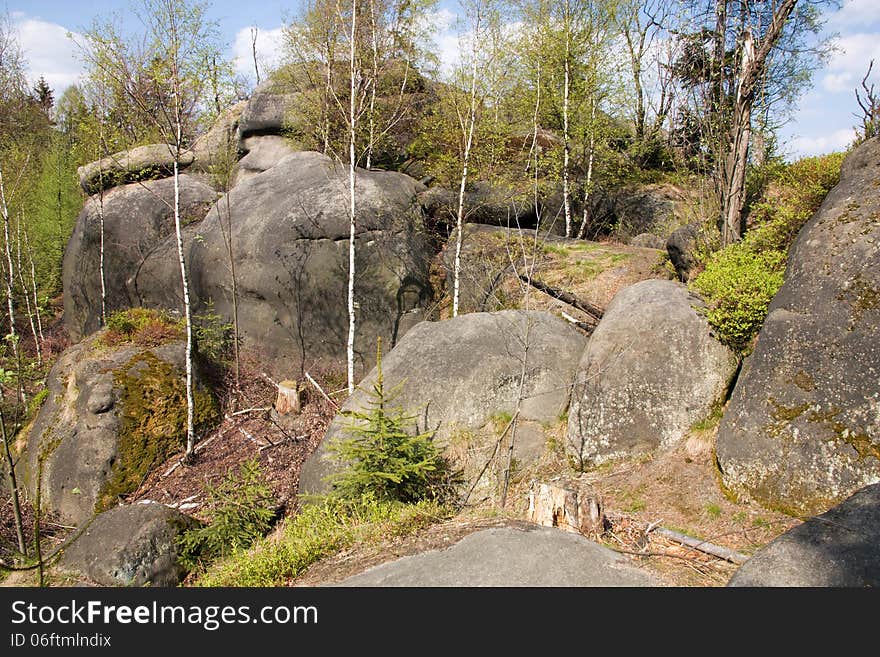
(462, 377)
(138, 164)
(537, 556)
(290, 240)
(219, 146)
(682, 248)
(261, 154)
(133, 545)
(838, 548)
(651, 369)
(138, 218)
(112, 413)
(266, 111)
(803, 428)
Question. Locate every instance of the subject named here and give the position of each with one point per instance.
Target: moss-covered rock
(113, 412)
(803, 430)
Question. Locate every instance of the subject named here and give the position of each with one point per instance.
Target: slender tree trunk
(13, 486)
(254, 32)
(374, 43)
(30, 255)
(24, 291)
(352, 210)
(566, 138)
(469, 140)
(10, 304)
(735, 161)
(589, 180)
(187, 309)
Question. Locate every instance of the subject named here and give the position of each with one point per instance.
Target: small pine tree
(383, 458)
(243, 512)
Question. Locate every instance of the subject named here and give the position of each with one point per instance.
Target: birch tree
(178, 41)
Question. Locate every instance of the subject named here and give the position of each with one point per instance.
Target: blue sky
(823, 121)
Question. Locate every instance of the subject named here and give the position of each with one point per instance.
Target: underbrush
(319, 531)
(739, 281)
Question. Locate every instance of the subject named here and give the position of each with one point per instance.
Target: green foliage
(213, 334)
(153, 421)
(243, 511)
(738, 285)
(144, 327)
(318, 531)
(739, 281)
(384, 459)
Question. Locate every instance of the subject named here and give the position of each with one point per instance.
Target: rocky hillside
(573, 363)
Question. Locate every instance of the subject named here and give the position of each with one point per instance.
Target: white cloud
(269, 50)
(850, 61)
(855, 13)
(836, 141)
(48, 52)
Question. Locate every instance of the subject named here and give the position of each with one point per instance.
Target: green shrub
(243, 511)
(738, 285)
(739, 282)
(319, 531)
(212, 334)
(142, 326)
(382, 458)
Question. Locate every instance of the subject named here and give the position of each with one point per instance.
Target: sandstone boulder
(112, 414)
(651, 369)
(803, 428)
(133, 545)
(138, 218)
(508, 556)
(218, 147)
(290, 241)
(462, 377)
(648, 241)
(138, 164)
(266, 110)
(838, 548)
(262, 153)
(682, 247)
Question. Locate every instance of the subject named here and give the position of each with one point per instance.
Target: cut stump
(566, 507)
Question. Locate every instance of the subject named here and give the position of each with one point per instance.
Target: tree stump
(288, 401)
(572, 510)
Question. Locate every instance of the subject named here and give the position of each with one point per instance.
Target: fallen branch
(703, 546)
(588, 328)
(250, 410)
(595, 312)
(321, 390)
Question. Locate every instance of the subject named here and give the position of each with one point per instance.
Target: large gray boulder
(112, 414)
(134, 545)
(803, 428)
(645, 208)
(838, 548)
(138, 218)
(651, 369)
(218, 147)
(266, 110)
(461, 377)
(539, 556)
(491, 205)
(138, 164)
(682, 247)
(290, 231)
(262, 153)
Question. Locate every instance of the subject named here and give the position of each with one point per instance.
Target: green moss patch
(141, 326)
(153, 421)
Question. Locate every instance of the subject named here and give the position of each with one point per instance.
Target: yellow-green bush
(318, 531)
(739, 282)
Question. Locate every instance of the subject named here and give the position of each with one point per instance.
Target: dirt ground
(676, 489)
